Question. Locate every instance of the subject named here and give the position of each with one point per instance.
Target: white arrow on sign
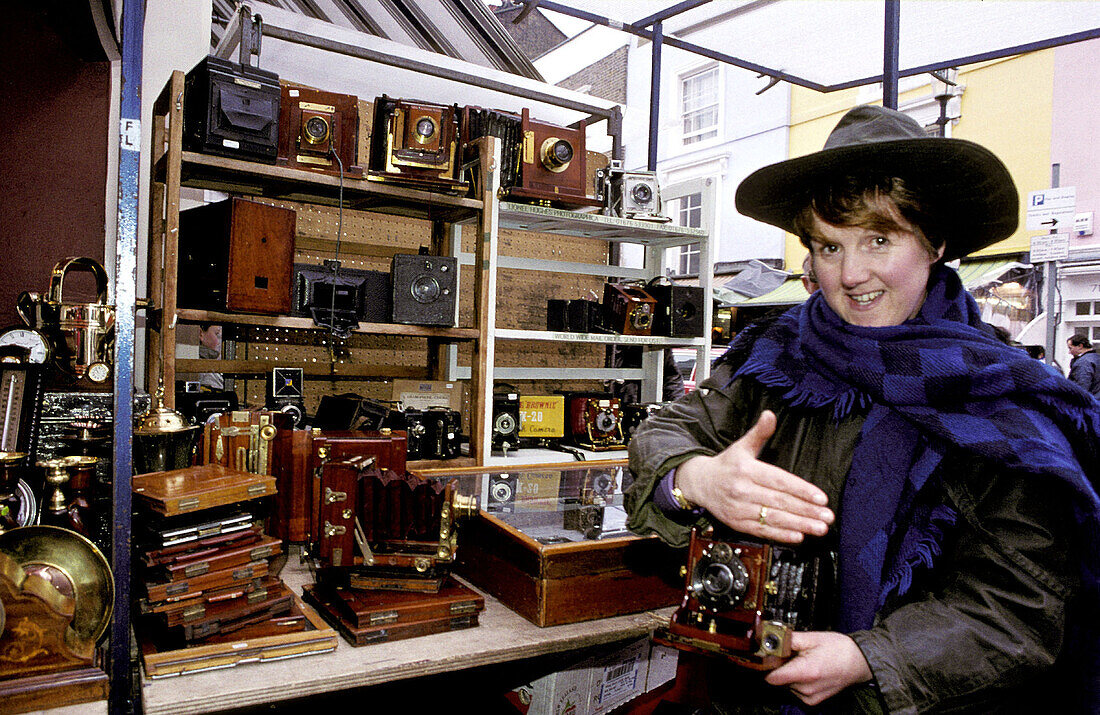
(1051, 209)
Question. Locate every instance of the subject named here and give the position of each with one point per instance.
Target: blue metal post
(119, 665)
(655, 94)
(890, 54)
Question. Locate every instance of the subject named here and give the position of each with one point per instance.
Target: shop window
(689, 213)
(699, 105)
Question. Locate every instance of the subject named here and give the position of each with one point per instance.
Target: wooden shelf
(244, 368)
(205, 171)
(187, 315)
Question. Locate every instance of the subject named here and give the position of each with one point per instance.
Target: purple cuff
(662, 496)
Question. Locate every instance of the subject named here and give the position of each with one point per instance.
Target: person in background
(210, 348)
(1084, 368)
(955, 477)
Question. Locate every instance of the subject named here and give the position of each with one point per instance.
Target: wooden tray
(180, 491)
(365, 609)
(301, 633)
(371, 635)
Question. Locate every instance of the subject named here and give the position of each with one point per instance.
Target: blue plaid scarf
(939, 379)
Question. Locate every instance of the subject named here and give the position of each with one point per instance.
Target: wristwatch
(681, 499)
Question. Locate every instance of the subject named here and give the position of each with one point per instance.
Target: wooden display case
(551, 543)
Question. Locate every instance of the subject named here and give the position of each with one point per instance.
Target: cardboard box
(598, 685)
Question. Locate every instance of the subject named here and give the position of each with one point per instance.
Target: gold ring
(763, 518)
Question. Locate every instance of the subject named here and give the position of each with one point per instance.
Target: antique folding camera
(628, 309)
(285, 393)
(505, 421)
(318, 130)
(744, 599)
(629, 194)
(370, 513)
(595, 421)
(577, 315)
(416, 143)
(541, 161)
(231, 109)
(338, 297)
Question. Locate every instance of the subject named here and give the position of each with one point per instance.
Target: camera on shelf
(586, 494)
(318, 130)
(434, 432)
(424, 289)
(506, 420)
(541, 161)
(577, 315)
(679, 309)
(629, 194)
(595, 421)
(338, 297)
(285, 393)
(416, 143)
(231, 109)
(743, 599)
(628, 309)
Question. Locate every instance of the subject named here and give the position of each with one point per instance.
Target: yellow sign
(542, 416)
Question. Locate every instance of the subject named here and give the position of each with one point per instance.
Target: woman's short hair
(856, 200)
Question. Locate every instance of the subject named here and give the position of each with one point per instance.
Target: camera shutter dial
(641, 317)
(606, 421)
(425, 289)
(556, 154)
(719, 580)
(505, 424)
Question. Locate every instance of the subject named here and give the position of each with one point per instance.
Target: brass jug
(83, 333)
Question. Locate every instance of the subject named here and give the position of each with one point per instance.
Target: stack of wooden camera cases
(202, 558)
(363, 496)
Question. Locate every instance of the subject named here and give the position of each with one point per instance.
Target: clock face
(98, 372)
(33, 340)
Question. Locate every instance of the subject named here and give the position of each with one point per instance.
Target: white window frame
(711, 131)
(690, 251)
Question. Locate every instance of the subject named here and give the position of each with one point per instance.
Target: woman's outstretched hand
(754, 497)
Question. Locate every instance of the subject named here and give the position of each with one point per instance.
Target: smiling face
(870, 276)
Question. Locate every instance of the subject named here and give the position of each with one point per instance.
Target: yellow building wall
(1006, 107)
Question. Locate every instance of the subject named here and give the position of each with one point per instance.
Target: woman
(956, 475)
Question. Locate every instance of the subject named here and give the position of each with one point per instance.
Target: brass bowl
(74, 565)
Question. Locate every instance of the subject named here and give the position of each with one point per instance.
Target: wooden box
(551, 544)
(180, 491)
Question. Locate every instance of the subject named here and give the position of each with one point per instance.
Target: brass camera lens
(641, 317)
(425, 289)
(606, 421)
(556, 154)
(316, 130)
(641, 193)
(425, 129)
(719, 579)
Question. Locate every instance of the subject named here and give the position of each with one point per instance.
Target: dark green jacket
(980, 633)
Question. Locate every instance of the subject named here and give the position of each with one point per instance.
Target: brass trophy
(82, 333)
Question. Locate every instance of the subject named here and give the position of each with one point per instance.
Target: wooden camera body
(596, 421)
(416, 143)
(315, 127)
(743, 599)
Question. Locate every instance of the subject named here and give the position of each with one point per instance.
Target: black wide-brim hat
(964, 183)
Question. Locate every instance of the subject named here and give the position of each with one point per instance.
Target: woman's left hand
(826, 664)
